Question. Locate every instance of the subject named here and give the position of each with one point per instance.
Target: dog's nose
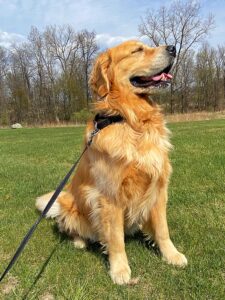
(172, 50)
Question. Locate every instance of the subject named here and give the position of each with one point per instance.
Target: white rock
(16, 126)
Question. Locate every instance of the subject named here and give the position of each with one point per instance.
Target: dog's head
(134, 66)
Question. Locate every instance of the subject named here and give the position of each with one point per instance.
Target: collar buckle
(93, 133)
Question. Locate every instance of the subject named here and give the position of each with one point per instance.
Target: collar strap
(102, 121)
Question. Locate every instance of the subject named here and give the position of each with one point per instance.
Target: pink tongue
(162, 76)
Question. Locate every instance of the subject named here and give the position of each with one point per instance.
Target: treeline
(199, 84)
(46, 78)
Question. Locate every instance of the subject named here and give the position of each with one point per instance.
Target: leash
(44, 212)
(100, 122)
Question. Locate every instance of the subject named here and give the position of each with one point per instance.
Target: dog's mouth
(161, 79)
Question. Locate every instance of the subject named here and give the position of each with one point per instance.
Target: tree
(3, 89)
(88, 50)
(204, 74)
(44, 83)
(221, 50)
(185, 80)
(181, 25)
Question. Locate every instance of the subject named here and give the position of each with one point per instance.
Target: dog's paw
(176, 259)
(121, 274)
(79, 243)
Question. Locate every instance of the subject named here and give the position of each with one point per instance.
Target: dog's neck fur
(135, 109)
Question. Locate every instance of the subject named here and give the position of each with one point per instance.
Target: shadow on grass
(62, 238)
(147, 242)
(94, 248)
(98, 250)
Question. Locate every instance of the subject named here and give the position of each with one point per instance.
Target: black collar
(102, 121)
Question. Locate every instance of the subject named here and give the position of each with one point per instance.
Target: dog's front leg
(157, 226)
(111, 232)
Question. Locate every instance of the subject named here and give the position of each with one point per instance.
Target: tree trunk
(171, 99)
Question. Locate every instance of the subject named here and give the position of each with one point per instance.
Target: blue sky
(113, 21)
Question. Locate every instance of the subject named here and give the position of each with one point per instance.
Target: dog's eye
(139, 49)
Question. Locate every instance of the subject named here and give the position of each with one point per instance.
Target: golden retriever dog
(120, 185)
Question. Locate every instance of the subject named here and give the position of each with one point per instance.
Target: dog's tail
(54, 211)
(64, 208)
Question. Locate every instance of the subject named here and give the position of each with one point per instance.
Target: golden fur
(121, 182)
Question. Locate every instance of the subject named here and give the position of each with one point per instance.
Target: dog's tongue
(163, 76)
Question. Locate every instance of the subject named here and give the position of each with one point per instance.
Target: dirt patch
(4, 256)
(47, 296)
(9, 286)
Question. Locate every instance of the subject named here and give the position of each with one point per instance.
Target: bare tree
(181, 25)
(221, 51)
(185, 80)
(88, 49)
(63, 44)
(3, 93)
(45, 77)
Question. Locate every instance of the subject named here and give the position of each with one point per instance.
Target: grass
(32, 162)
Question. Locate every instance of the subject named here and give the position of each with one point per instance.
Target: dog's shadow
(98, 250)
(94, 248)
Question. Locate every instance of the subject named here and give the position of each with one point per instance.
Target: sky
(113, 21)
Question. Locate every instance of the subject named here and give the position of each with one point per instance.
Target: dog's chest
(119, 150)
(147, 150)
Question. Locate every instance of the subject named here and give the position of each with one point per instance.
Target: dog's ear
(99, 79)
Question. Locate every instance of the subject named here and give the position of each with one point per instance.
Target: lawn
(33, 161)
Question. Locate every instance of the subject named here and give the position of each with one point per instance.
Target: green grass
(33, 161)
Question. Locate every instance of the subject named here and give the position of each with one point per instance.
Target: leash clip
(93, 133)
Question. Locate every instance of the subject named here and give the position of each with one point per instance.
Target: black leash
(100, 122)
